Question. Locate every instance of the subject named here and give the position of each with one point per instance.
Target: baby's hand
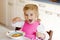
(16, 19)
(40, 35)
(38, 20)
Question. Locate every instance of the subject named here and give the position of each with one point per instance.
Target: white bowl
(10, 33)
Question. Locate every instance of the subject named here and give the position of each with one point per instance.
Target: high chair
(50, 34)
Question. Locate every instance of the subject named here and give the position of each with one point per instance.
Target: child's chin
(30, 22)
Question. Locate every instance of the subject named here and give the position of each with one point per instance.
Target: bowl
(15, 34)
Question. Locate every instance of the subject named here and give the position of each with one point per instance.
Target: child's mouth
(30, 20)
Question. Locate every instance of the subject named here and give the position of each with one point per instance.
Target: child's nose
(29, 17)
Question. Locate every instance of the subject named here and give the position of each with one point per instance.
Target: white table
(3, 32)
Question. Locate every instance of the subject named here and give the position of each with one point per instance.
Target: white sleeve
(18, 24)
(41, 28)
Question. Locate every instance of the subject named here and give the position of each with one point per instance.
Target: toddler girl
(32, 26)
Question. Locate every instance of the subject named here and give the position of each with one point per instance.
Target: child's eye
(26, 14)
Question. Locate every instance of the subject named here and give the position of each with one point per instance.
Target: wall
(2, 11)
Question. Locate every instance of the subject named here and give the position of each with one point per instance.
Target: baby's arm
(41, 33)
(17, 23)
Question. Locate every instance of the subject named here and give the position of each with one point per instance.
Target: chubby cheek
(34, 17)
(26, 18)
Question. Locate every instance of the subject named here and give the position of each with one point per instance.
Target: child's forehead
(30, 11)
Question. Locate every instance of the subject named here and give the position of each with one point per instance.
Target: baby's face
(30, 16)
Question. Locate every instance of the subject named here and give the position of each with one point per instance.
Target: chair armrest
(50, 34)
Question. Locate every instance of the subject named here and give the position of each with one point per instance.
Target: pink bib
(30, 29)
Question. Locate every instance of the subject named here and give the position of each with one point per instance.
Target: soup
(17, 35)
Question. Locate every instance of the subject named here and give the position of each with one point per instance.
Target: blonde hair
(31, 7)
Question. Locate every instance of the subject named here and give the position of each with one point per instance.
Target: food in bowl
(16, 34)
